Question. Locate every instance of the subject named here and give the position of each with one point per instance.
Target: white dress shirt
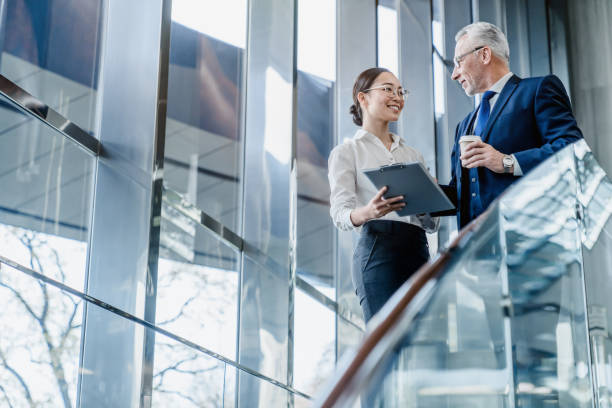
(497, 88)
(351, 189)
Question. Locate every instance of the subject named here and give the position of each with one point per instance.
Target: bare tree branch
(180, 313)
(180, 394)
(18, 377)
(6, 397)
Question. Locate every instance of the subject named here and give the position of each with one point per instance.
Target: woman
(390, 248)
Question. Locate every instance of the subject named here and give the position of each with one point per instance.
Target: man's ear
(487, 55)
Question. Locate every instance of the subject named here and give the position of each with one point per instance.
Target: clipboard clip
(394, 165)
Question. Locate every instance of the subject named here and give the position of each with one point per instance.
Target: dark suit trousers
(387, 254)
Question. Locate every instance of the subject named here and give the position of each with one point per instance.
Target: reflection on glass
(197, 288)
(594, 194)
(315, 138)
(595, 198)
(42, 339)
(314, 352)
(505, 324)
(184, 377)
(264, 323)
(203, 141)
(348, 302)
(40, 343)
(349, 336)
(546, 285)
(46, 183)
(455, 353)
(257, 393)
(51, 49)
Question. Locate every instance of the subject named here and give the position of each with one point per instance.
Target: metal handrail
(391, 316)
(30, 104)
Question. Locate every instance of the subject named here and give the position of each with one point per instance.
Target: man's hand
(376, 208)
(479, 154)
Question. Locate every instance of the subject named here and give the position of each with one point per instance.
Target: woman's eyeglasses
(390, 91)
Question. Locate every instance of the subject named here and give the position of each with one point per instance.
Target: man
(521, 121)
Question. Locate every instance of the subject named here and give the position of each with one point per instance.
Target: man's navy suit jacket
(532, 119)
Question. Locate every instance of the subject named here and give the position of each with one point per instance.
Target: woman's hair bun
(356, 112)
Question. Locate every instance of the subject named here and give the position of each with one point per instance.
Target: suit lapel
(503, 98)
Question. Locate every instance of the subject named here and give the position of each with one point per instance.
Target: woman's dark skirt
(387, 254)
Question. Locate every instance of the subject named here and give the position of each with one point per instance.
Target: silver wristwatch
(508, 162)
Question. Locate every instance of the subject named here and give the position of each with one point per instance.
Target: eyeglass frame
(458, 60)
(394, 93)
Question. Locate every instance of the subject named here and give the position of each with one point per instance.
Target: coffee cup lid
(470, 138)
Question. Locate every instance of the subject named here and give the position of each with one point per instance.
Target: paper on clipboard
(421, 192)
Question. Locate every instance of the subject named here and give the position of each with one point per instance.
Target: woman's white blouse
(351, 189)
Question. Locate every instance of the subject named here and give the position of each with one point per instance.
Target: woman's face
(380, 104)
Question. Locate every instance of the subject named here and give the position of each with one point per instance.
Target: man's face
(469, 68)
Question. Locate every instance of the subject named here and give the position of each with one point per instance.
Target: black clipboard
(421, 192)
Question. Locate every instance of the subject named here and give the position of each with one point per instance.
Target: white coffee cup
(465, 140)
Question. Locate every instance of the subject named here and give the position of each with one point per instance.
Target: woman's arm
(343, 198)
(376, 208)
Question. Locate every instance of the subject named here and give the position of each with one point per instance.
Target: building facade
(165, 223)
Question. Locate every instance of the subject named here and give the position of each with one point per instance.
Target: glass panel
(185, 377)
(349, 336)
(41, 330)
(46, 183)
(205, 92)
(417, 123)
(316, 87)
(356, 49)
(388, 45)
(197, 287)
(314, 351)
(505, 325)
(269, 128)
(51, 49)
(348, 302)
(546, 284)
(39, 349)
(264, 321)
(301, 402)
(595, 197)
(456, 353)
(387, 41)
(257, 393)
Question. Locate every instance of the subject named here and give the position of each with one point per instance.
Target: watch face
(507, 160)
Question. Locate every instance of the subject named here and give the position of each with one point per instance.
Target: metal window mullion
(293, 209)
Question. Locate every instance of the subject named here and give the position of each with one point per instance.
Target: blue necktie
(485, 111)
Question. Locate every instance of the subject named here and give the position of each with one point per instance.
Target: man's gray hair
(482, 33)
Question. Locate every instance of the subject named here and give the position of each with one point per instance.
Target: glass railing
(45, 361)
(46, 180)
(509, 313)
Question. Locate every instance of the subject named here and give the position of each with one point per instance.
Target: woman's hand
(376, 208)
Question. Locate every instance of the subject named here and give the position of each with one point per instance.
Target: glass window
(314, 352)
(387, 36)
(257, 393)
(185, 377)
(349, 336)
(39, 350)
(197, 287)
(51, 49)
(205, 92)
(316, 86)
(46, 183)
(264, 321)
